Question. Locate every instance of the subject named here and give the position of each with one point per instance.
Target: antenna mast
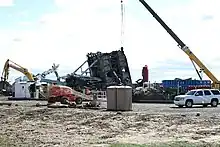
(122, 23)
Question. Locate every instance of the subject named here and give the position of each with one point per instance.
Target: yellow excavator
(183, 47)
(5, 74)
(11, 64)
(29, 75)
(31, 78)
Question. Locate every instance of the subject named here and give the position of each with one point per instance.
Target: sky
(38, 33)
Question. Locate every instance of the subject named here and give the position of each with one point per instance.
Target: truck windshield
(190, 93)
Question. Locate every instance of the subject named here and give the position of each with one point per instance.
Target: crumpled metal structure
(104, 69)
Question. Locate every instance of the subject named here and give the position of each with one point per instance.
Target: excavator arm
(11, 64)
(216, 83)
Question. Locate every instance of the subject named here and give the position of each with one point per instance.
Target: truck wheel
(214, 103)
(50, 101)
(205, 105)
(189, 103)
(79, 100)
(72, 105)
(64, 101)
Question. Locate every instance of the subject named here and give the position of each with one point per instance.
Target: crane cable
(122, 23)
(200, 77)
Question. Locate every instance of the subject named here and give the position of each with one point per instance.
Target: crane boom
(216, 83)
(175, 37)
(49, 71)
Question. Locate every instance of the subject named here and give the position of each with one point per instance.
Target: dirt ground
(24, 124)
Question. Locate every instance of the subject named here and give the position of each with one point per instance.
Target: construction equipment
(184, 47)
(49, 71)
(62, 94)
(17, 67)
(54, 69)
(29, 75)
(32, 79)
(5, 74)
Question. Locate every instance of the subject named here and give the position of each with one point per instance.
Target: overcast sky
(38, 33)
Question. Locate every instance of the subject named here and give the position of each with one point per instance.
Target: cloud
(17, 39)
(207, 17)
(25, 23)
(23, 13)
(6, 3)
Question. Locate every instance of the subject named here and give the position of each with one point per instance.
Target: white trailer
(22, 89)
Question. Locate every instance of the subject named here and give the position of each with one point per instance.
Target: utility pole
(178, 86)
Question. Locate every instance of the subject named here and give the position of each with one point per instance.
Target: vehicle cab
(203, 97)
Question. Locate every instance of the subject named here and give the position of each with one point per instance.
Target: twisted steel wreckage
(105, 69)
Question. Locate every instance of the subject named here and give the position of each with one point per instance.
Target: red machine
(62, 94)
(145, 73)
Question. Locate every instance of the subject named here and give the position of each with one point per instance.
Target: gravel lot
(24, 124)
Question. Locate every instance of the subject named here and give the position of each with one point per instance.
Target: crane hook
(122, 23)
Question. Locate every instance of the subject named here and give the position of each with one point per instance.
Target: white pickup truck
(203, 97)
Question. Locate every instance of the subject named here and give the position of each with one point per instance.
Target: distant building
(21, 79)
(186, 84)
(49, 81)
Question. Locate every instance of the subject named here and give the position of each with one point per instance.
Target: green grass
(5, 142)
(172, 144)
(127, 145)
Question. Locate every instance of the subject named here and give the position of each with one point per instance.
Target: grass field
(172, 144)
